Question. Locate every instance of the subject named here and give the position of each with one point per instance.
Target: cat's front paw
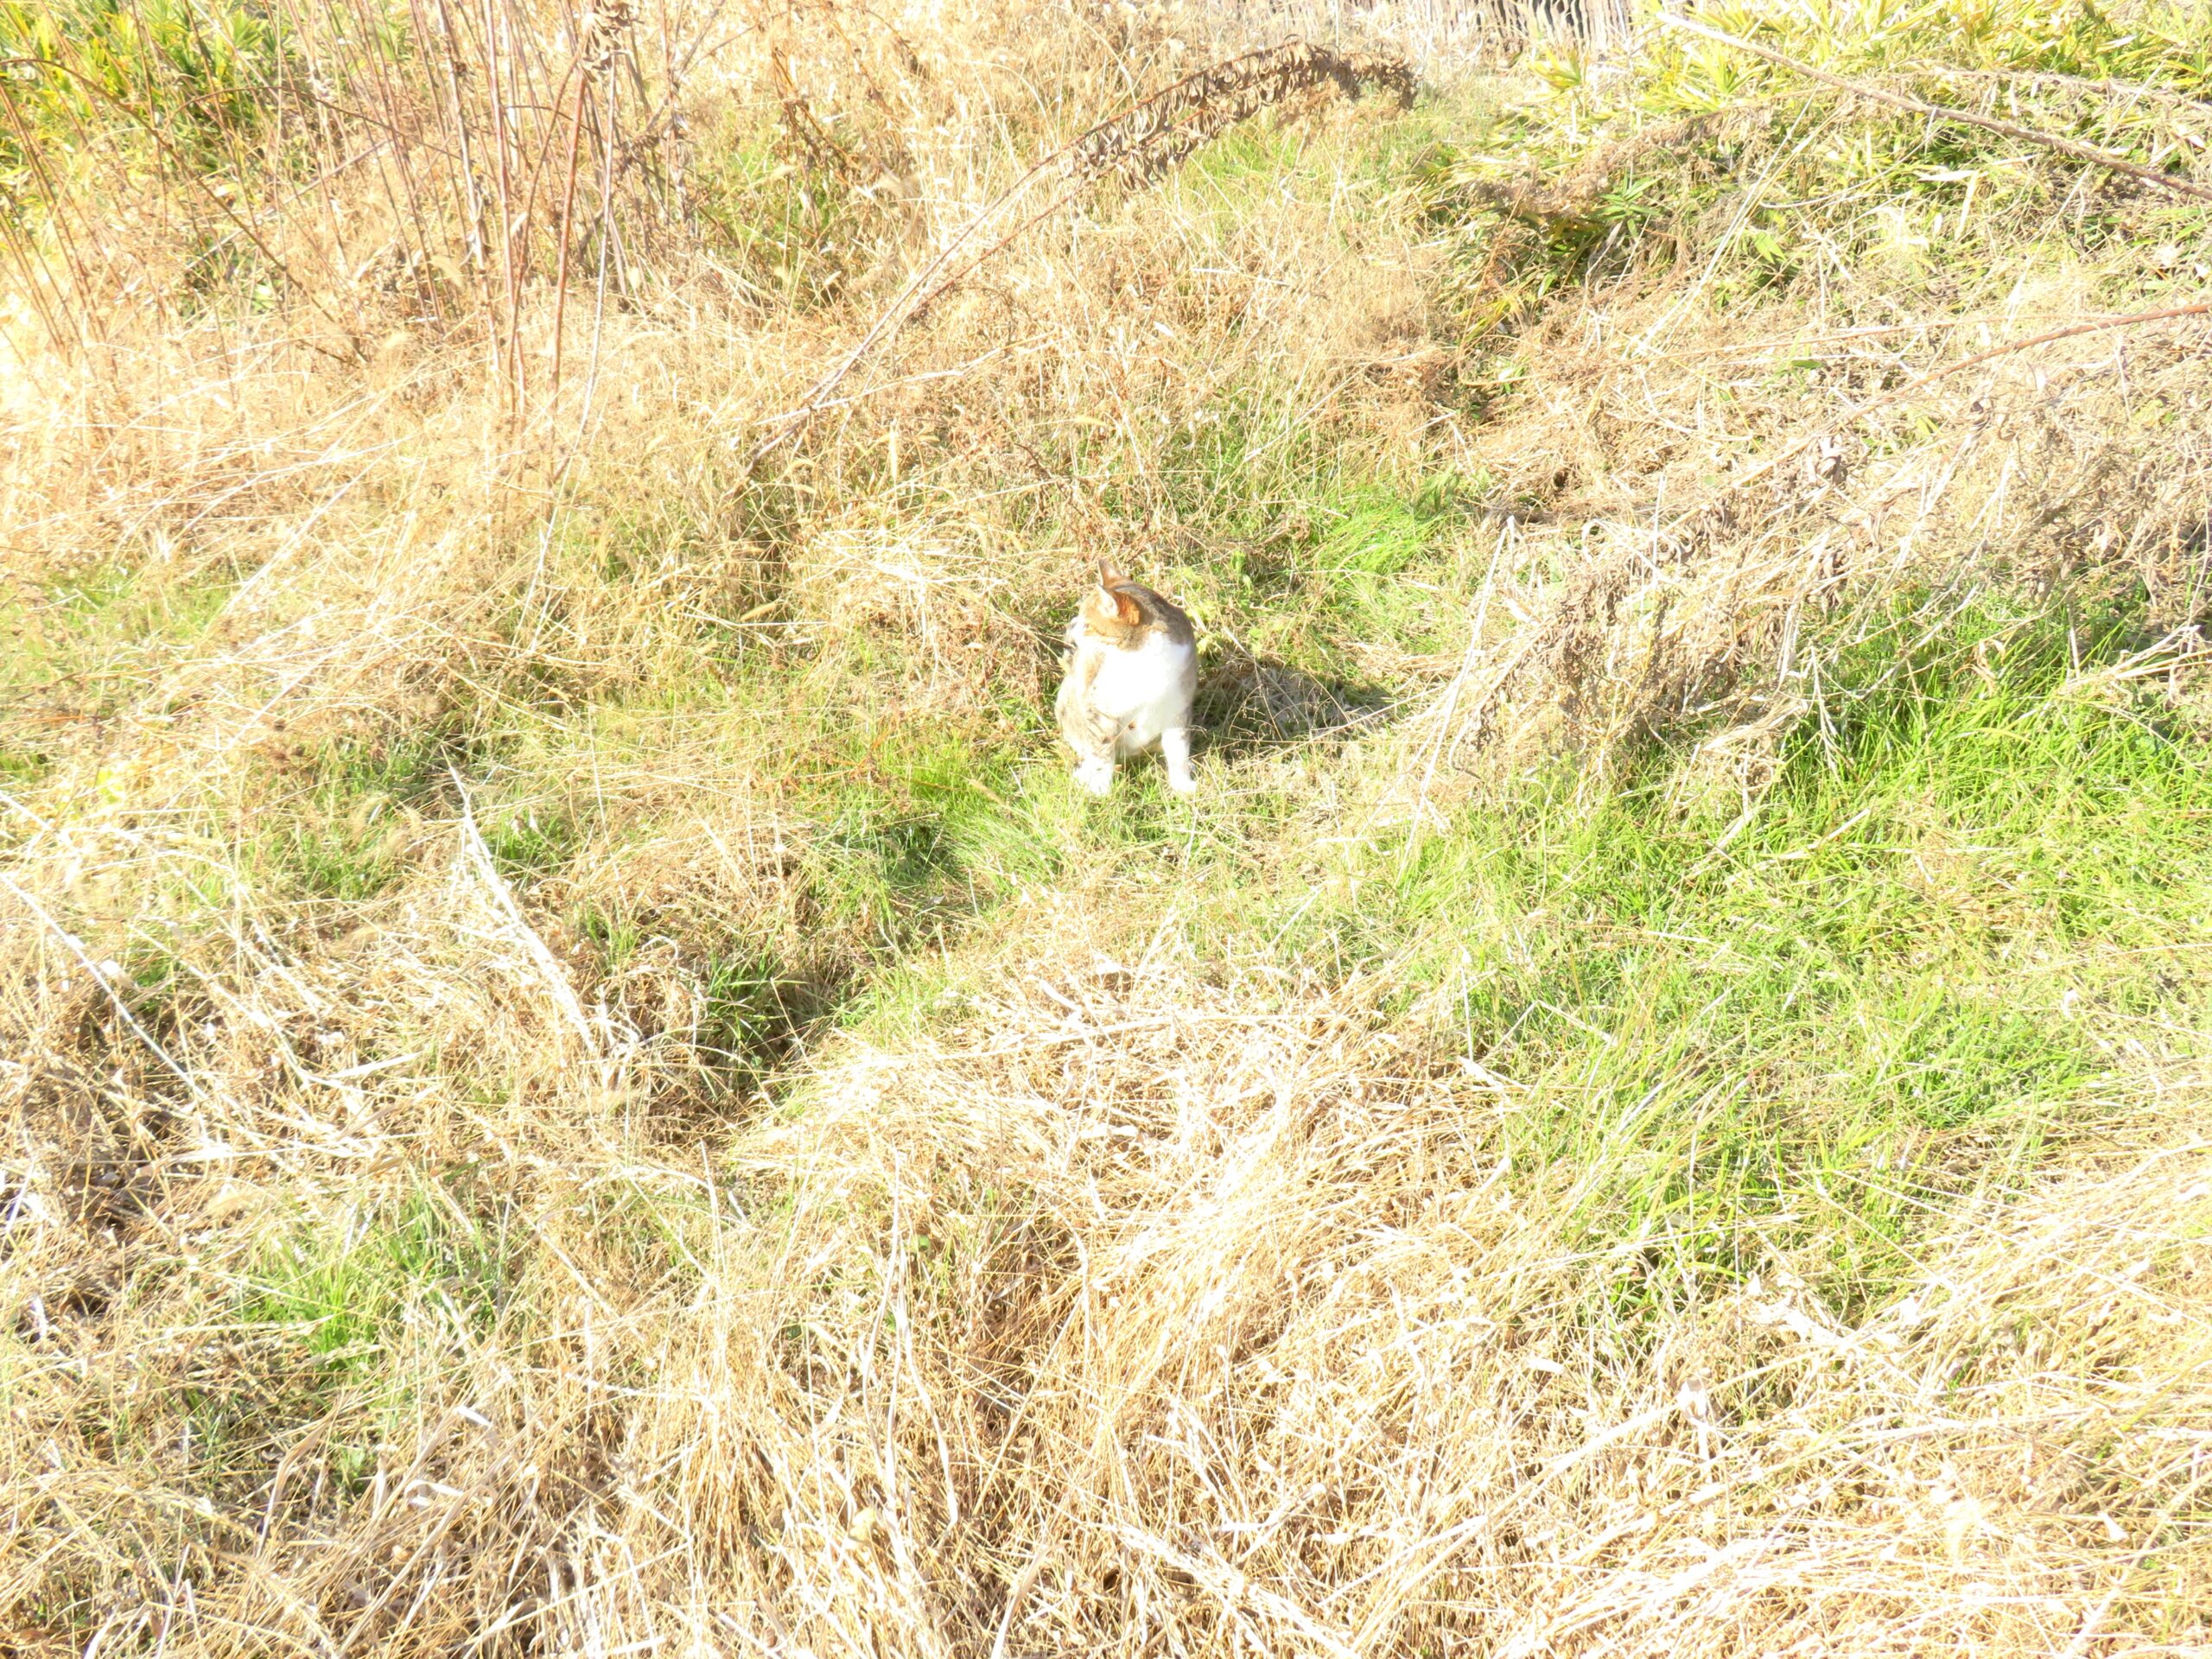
(1182, 783)
(1096, 776)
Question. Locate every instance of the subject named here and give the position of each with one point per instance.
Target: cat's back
(1165, 616)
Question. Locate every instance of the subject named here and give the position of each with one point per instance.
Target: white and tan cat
(1131, 672)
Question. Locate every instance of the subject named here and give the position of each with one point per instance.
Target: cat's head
(1110, 609)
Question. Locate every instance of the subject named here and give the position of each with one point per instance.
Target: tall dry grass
(424, 710)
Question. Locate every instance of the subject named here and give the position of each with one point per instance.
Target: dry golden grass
(573, 1079)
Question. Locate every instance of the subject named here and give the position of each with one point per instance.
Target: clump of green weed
(1775, 182)
(195, 77)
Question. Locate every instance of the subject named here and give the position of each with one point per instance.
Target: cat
(1131, 672)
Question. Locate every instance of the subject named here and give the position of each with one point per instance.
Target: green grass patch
(77, 642)
(346, 836)
(324, 1308)
(919, 832)
(1903, 981)
(343, 1296)
(83, 645)
(529, 839)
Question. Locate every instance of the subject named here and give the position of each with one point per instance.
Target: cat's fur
(1132, 673)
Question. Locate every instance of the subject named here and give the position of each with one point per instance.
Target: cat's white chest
(1148, 690)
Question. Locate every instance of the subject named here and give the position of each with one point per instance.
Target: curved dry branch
(1135, 147)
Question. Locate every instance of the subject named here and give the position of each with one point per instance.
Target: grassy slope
(1705, 1164)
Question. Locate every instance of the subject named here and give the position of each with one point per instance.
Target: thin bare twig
(107, 986)
(2130, 89)
(567, 219)
(2096, 325)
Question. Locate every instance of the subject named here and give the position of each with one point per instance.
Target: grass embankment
(578, 1078)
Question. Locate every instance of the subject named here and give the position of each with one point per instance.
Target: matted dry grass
(1129, 1307)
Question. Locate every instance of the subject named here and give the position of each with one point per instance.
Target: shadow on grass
(1249, 704)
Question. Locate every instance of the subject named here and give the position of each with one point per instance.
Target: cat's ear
(1109, 576)
(1126, 608)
